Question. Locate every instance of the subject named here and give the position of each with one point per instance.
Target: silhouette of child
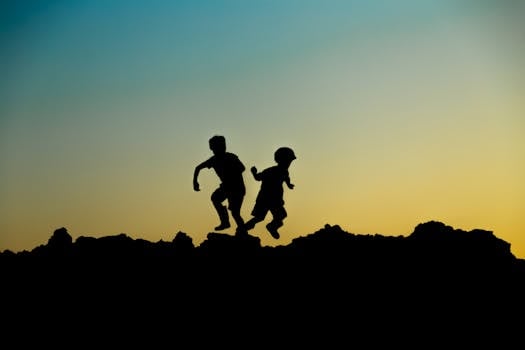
(270, 196)
(229, 169)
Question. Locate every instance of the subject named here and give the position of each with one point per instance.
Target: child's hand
(253, 169)
(196, 186)
(290, 186)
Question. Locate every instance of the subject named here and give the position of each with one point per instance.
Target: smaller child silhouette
(270, 196)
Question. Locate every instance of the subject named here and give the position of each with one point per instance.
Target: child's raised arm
(256, 175)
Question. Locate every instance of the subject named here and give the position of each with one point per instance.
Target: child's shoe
(273, 231)
(241, 232)
(222, 226)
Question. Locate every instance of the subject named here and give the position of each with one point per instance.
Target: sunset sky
(400, 112)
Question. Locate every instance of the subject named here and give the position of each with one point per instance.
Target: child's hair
(283, 155)
(217, 143)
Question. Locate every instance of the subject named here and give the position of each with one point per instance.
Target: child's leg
(252, 222)
(278, 216)
(258, 214)
(217, 198)
(234, 204)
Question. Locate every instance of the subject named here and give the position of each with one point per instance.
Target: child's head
(218, 144)
(284, 156)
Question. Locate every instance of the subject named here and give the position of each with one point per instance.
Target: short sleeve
(209, 162)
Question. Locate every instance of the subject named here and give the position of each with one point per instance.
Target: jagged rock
(182, 241)
(60, 239)
(434, 282)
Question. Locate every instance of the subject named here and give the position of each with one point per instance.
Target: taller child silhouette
(229, 169)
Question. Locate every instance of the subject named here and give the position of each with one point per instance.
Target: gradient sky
(400, 112)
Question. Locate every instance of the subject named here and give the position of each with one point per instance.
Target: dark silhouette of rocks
(442, 282)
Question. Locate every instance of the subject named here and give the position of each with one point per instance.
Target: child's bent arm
(198, 168)
(288, 183)
(256, 175)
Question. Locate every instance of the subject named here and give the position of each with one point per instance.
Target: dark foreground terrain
(437, 286)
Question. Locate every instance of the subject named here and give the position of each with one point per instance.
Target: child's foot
(273, 231)
(223, 226)
(240, 232)
(248, 226)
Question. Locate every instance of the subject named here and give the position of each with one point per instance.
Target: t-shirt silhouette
(229, 169)
(271, 191)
